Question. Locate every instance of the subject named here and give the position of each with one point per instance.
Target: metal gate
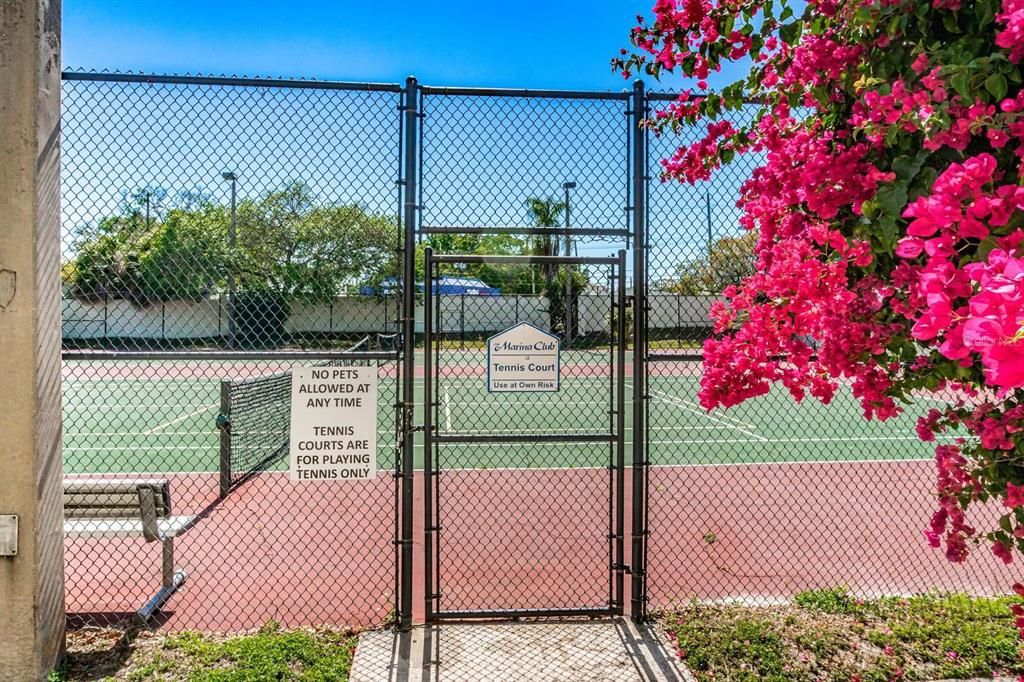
(525, 486)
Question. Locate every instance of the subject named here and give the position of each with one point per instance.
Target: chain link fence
(221, 232)
(770, 498)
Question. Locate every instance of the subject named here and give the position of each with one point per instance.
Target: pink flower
(909, 247)
(1002, 552)
(1014, 495)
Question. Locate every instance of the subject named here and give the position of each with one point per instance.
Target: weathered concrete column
(32, 580)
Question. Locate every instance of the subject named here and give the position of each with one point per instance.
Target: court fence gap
(220, 233)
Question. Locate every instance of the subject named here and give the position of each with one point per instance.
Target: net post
(638, 592)
(224, 427)
(410, 159)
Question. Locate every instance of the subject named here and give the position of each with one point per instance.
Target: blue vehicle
(444, 286)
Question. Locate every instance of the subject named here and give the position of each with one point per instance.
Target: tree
(546, 213)
(290, 245)
(730, 262)
(510, 279)
(287, 244)
(181, 257)
(890, 218)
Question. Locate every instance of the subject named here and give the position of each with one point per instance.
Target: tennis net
(255, 419)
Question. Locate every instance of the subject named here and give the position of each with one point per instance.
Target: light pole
(568, 272)
(231, 177)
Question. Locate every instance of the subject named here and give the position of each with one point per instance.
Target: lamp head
(229, 176)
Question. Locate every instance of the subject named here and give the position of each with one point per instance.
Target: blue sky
(524, 43)
(481, 161)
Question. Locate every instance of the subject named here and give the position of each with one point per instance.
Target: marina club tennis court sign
(333, 424)
(523, 359)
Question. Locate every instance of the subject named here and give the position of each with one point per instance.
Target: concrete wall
(84, 320)
(31, 581)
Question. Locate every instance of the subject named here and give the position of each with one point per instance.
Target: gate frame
(637, 107)
(617, 439)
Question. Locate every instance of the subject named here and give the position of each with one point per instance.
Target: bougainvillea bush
(890, 218)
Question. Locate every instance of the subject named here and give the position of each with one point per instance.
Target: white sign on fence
(334, 424)
(523, 359)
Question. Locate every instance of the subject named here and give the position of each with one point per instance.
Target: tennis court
(756, 502)
(156, 419)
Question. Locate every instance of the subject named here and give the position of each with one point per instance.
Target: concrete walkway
(589, 651)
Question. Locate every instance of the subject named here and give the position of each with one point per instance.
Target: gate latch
(622, 567)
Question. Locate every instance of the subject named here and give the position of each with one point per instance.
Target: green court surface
(141, 422)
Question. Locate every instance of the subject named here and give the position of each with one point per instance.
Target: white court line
(447, 411)
(205, 408)
(699, 465)
(734, 441)
(700, 410)
(629, 427)
(134, 434)
(172, 448)
(720, 441)
(682, 404)
(567, 403)
(135, 406)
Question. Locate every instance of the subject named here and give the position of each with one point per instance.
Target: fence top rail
(296, 356)
(675, 357)
(242, 81)
(560, 231)
(312, 84)
(522, 260)
(524, 93)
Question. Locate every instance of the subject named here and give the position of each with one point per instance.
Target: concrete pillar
(31, 467)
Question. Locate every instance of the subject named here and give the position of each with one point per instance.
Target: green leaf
(985, 12)
(907, 167)
(996, 84)
(892, 199)
(790, 33)
(925, 179)
(949, 22)
(887, 233)
(961, 82)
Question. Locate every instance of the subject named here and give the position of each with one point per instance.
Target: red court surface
(322, 553)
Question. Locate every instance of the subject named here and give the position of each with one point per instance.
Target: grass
(271, 653)
(828, 635)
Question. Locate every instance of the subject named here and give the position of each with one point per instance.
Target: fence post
(409, 155)
(638, 605)
(619, 334)
(430, 524)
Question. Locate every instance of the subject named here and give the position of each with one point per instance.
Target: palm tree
(546, 213)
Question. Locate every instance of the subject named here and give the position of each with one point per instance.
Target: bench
(114, 507)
